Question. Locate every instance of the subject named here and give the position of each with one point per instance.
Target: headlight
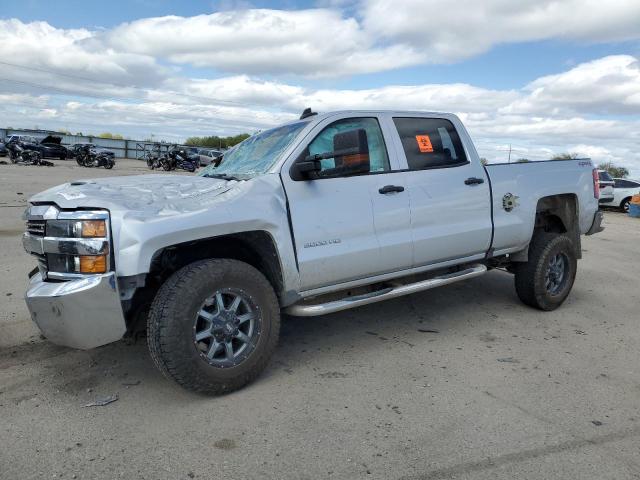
(68, 244)
(76, 228)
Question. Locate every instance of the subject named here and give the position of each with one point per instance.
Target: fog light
(93, 263)
(94, 228)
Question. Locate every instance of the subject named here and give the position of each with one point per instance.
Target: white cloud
(70, 53)
(450, 31)
(609, 85)
(314, 42)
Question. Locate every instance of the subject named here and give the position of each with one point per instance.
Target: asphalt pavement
(459, 382)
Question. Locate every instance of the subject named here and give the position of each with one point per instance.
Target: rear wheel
(214, 325)
(544, 282)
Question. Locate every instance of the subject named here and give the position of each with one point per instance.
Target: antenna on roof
(307, 113)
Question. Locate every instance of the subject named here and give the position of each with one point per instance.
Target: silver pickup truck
(319, 215)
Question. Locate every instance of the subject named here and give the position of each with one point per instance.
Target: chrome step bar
(311, 310)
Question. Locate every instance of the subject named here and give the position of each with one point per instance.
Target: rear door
(449, 192)
(349, 227)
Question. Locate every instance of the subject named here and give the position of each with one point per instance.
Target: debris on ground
(508, 360)
(102, 401)
(225, 444)
(428, 330)
(132, 384)
(597, 423)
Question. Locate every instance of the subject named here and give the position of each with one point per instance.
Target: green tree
(215, 141)
(565, 156)
(523, 160)
(614, 171)
(114, 136)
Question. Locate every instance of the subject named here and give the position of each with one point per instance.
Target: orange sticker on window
(424, 143)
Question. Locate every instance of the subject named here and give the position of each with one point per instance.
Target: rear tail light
(596, 183)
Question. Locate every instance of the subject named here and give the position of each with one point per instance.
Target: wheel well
(556, 214)
(257, 248)
(624, 200)
(559, 214)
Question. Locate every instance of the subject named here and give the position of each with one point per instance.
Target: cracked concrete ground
(459, 382)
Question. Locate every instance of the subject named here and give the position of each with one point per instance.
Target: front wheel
(544, 282)
(214, 325)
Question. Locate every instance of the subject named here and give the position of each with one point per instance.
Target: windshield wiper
(224, 176)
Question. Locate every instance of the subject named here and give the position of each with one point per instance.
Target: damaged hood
(146, 195)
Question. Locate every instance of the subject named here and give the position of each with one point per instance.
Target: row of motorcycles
(23, 156)
(87, 157)
(175, 158)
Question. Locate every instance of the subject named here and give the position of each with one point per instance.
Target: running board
(310, 310)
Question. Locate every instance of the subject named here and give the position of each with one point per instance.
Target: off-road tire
(530, 276)
(173, 312)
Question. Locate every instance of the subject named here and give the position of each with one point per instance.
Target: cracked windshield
(256, 154)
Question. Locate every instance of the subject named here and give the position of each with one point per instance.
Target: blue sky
(540, 75)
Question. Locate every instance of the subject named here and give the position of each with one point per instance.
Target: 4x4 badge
(509, 201)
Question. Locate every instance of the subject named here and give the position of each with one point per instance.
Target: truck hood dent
(139, 195)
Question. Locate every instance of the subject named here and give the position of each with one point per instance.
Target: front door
(345, 228)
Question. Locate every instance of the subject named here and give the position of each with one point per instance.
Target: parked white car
(623, 190)
(606, 189)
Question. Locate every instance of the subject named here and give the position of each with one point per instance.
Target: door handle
(390, 189)
(473, 181)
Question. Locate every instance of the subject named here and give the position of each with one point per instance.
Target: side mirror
(351, 142)
(350, 153)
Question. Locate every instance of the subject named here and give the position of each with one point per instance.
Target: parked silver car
(208, 155)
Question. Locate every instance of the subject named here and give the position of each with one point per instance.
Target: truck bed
(530, 182)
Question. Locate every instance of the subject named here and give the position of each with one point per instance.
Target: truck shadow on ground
(407, 321)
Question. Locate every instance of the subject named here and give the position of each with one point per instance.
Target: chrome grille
(36, 227)
(42, 264)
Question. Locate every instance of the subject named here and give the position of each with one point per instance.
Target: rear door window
(430, 142)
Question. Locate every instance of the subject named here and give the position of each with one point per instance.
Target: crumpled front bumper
(83, 313)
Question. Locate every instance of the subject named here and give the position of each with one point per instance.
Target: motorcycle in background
(177, 158)
(18, 154)
(87, 157)
(153, 160)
